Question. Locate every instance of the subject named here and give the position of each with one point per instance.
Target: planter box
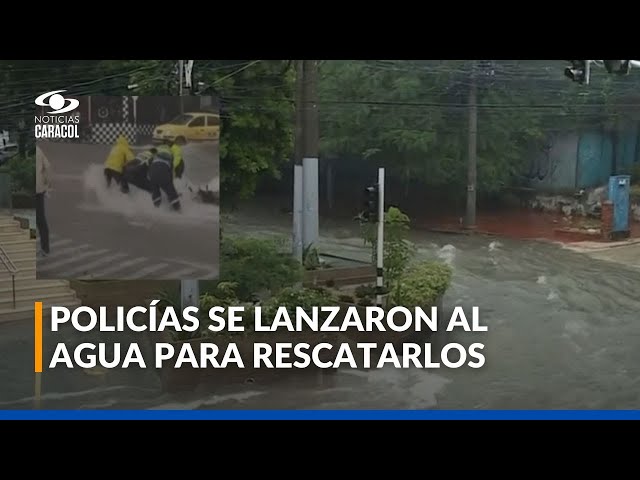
(188, 378)
(340, 276)
(126, 293)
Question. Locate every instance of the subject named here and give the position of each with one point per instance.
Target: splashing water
(447, 254)
(137, 206)
(493, 246)
(542, 280)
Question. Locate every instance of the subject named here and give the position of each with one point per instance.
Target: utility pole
(470, 217)
(180, 82)
(310, 226)
(189, 289)
(297, 162)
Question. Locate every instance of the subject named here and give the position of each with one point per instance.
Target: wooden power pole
(311, 135)
(472, 174)
(298, 147)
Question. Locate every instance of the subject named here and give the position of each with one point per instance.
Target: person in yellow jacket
(178, 160)
(119, 156)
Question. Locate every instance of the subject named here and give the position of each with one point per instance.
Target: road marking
(59, 243)
(150, 269)
(62, 252)
(120, 267)
(71, 260)
(86, 269)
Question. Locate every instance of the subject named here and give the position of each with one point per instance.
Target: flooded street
(564, 333)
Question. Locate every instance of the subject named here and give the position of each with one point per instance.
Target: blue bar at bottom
(319, 414)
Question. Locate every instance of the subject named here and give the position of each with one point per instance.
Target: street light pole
(189, 289)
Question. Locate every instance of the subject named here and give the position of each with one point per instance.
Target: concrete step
(21, 242)
(20, 250)
(26, 281)
(35, 288)
(6, 227)
(26, 313)
(21, 255)
(26, 274)
(24, 263)
(18, 235)
(63, 298)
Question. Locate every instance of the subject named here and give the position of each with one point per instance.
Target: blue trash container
(620, 196)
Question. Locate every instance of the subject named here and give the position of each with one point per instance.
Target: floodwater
(201, 173)
(564, 332)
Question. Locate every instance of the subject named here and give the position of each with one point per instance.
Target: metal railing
(12, 269)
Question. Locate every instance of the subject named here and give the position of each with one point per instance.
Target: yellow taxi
(188, 127)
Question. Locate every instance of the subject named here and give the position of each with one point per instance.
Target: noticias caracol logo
(56, 125)
(57, 102)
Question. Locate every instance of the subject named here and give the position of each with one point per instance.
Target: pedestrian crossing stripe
(68, 260)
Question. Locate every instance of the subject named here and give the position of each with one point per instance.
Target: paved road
(104, 234)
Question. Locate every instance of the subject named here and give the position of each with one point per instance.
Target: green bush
(257, 265)
(306, 298)
(23, 174)
(422, 284)
(398, 251)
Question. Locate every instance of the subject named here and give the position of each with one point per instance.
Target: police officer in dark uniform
(137, 170)
(161, 177)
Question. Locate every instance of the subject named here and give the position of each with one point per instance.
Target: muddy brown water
(564, 333)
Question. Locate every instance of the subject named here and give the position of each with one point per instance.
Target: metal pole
(380, 246)
(189, 289)
(587, 71)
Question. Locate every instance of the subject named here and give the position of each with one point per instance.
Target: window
(213, 121)
(181, 120)
(197, 122)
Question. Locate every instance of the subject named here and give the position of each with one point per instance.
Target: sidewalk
(625, 253)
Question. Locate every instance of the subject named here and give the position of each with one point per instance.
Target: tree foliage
(257, 111)
(413, 116)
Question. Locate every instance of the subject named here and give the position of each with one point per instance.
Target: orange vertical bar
(38, 337)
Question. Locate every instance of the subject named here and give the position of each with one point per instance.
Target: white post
(380, 246)
(190, 293)
(135, 117)
(311, 224)
(297, 213)
(587, 71)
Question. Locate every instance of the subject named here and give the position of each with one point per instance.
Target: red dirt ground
(524, 224)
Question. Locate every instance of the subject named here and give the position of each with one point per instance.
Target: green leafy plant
(398, 250)
(365, 302)
(305, 298)
(422, 284)
(311, 258)
(257, 265)
(345, 298)
(23, 174)
(365, 291)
